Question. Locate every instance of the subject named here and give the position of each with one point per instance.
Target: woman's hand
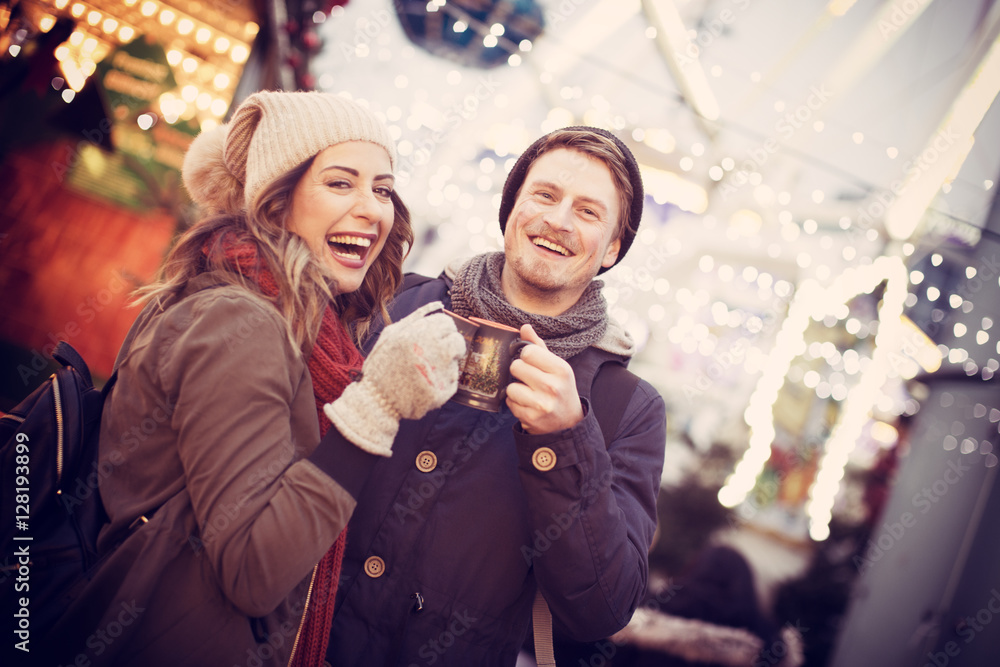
(412, 369)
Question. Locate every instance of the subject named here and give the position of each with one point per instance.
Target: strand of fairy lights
(813, 302)
(857, 408)
(788, 344)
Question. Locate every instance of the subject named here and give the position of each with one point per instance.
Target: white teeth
(350, 240)
(348, 245)
(545, 243)
(350, 254)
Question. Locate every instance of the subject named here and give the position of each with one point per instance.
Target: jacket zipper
(59, 433)
(305, 610)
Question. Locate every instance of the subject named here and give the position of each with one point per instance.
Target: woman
(220, 497)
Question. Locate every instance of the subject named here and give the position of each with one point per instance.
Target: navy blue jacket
(454, 532)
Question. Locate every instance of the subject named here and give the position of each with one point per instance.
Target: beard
(533, 276)
(536, 276)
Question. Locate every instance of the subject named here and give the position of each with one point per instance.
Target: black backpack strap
(67, 355)
(609, 396)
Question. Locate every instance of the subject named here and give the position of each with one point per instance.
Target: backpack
(52, 510)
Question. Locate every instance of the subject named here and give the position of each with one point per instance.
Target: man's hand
(544, 398)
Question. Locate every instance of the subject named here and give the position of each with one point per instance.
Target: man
(476, 511)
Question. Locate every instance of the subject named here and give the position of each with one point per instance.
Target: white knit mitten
(412, 369)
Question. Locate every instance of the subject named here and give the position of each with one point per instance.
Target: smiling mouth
(349, 246)
(551, 246)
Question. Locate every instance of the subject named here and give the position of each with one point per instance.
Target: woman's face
(341, 208)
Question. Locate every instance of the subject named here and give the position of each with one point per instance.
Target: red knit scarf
(333, 359)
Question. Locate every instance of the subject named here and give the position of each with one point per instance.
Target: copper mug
(485, 373)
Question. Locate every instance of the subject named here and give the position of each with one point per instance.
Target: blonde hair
(305, 288)
(607, 151)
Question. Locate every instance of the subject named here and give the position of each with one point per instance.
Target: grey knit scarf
(477, 293)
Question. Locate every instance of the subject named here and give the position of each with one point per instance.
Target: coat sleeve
(593, 514)
(265, 514)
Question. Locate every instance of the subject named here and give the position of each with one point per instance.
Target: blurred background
(814, 290)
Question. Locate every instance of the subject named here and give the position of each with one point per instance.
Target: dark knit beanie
(520, 170)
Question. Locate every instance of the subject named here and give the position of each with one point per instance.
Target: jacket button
(426, 461)
(374, 567)
(543, 459)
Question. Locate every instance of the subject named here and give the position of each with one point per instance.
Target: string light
(865, 392)
(239, 54)
(810, 302)
(171, 108)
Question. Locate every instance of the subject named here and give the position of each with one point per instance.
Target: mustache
(546, 232)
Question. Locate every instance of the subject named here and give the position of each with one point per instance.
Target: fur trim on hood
(698, 641)
(452, 268)
(617, 340)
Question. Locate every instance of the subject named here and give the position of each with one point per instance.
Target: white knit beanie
(270, 134)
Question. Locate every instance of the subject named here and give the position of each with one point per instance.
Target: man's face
(560, 230)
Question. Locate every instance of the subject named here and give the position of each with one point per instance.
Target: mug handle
(515, 347)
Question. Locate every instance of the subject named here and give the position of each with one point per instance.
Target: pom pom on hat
(207, 179)
(517, 175)
(270, 134)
